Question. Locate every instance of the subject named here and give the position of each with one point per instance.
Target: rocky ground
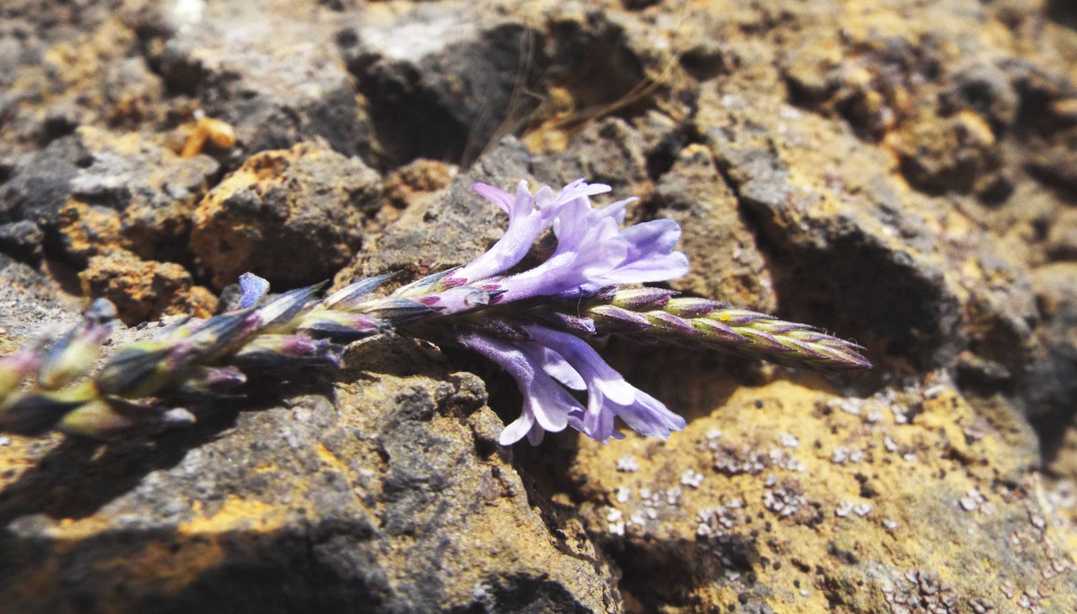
(903, 173)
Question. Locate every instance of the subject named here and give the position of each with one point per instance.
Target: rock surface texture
(903, 174)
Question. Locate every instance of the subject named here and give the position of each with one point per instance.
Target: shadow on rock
(79, 476)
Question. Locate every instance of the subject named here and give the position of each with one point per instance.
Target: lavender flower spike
(543, 344)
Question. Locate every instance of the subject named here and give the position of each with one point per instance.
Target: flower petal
(558, 368)
(659, 268)
(496, 195)
(253, 289)
(516, 430)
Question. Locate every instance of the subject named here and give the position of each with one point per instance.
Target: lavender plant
(537, 324)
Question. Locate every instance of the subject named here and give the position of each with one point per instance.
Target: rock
(380, 501)
(30, 303)
(1051, 383)
(986, 89)
(609, 151)
(292, 216)
(144, 289)
(899, 174)
(448, 229)
(726, 263)
(417, 184)
(1062, 239)
(271, 71)
(955, 153)
(144, 191)
(788, 496)
(22, 240)
(71, 66)
(1055, 160)
(840, 240)
(38, 184)
(441, 79)
(152, 191)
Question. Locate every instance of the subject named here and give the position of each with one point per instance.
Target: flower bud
(288, 351)
(641, 299)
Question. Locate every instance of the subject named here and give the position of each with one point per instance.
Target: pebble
(890, 444)
(691, 478)
(627, 464)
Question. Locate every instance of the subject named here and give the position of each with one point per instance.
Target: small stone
(627, 464)
(691, 478)
(890, 444)
(934, 391)
(839, 456)
(968, 504)
(788, 440)
(673, 495)
(268, 215)
(849, 406)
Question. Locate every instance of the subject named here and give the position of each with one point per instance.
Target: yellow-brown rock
(794, 497)
(292, 216)
(145, 289)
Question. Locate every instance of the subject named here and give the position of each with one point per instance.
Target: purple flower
(608, 394)
(550, 363)
(529, 217)
(547, 405)
(593, 251)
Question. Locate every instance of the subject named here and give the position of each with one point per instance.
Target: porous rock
(794, 496)
(144, 289)
(727, 263)
(272, 71)
(292, 216)
(366, 491)
(95, 190)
